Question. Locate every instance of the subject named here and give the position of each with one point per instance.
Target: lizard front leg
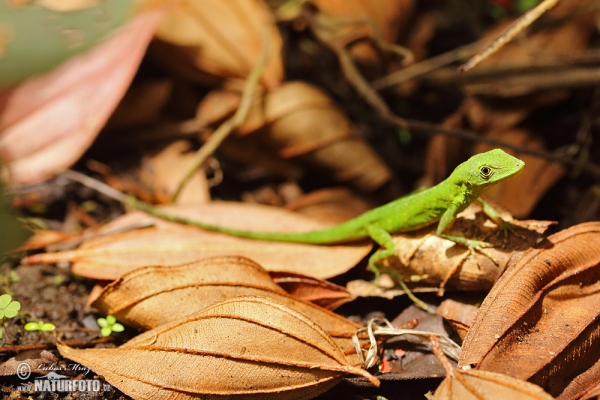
(383, 238)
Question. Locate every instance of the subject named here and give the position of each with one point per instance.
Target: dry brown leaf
(389, 17)
(585, 387)
(41, 239)
(318, 291)
(485, 385)
(246, 347)
(152, 296)
(415, 361)
(214, 40)
(460, 315)
(37, 361)
(164, 169)
(467, 383)
(299, 121)
(70, 104)
(543, 314)
(170, 244)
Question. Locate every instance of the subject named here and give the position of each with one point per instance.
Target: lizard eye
(486, 172)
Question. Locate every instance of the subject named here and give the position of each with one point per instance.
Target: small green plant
(9, 308)
(109, 325)
(39, 326)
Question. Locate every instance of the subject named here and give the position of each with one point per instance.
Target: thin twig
(425, 66)
(509, 33)
(232, 123)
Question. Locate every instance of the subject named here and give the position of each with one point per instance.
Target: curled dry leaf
(543, 315)
(460, 315)
(164, 169)
(214, 40)
(70, 104)
(37, 360)
(172, 244)
(298, 121)
(318, 291)
(152, 296)
(242, 347)
(423, 254)
(357, 19)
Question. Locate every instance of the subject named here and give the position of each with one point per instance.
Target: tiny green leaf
(48, 327)
(109, 325)
(106, 331)
(32, 326)
(39, 326)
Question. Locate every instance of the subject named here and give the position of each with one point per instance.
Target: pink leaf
(49, 121)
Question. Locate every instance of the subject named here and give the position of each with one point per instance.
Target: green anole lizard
(440, 203)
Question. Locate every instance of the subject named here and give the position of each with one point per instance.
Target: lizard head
(484, 170)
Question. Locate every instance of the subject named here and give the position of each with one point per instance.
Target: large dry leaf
(49, 121)
(170, 244)
(484, 385)
(543, 314)
(222, 39)
(300, 122)
(246, 347)
(152, 296)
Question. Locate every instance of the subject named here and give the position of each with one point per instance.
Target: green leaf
(5, 300)
(106, 331)
(48, 327)
(111, 319)
(102, 322)
(118, 327)
(8, 308)
(32, 326)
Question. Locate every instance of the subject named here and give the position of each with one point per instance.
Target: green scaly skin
(440, 203)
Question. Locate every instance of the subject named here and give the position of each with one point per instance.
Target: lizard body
(440, 203)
